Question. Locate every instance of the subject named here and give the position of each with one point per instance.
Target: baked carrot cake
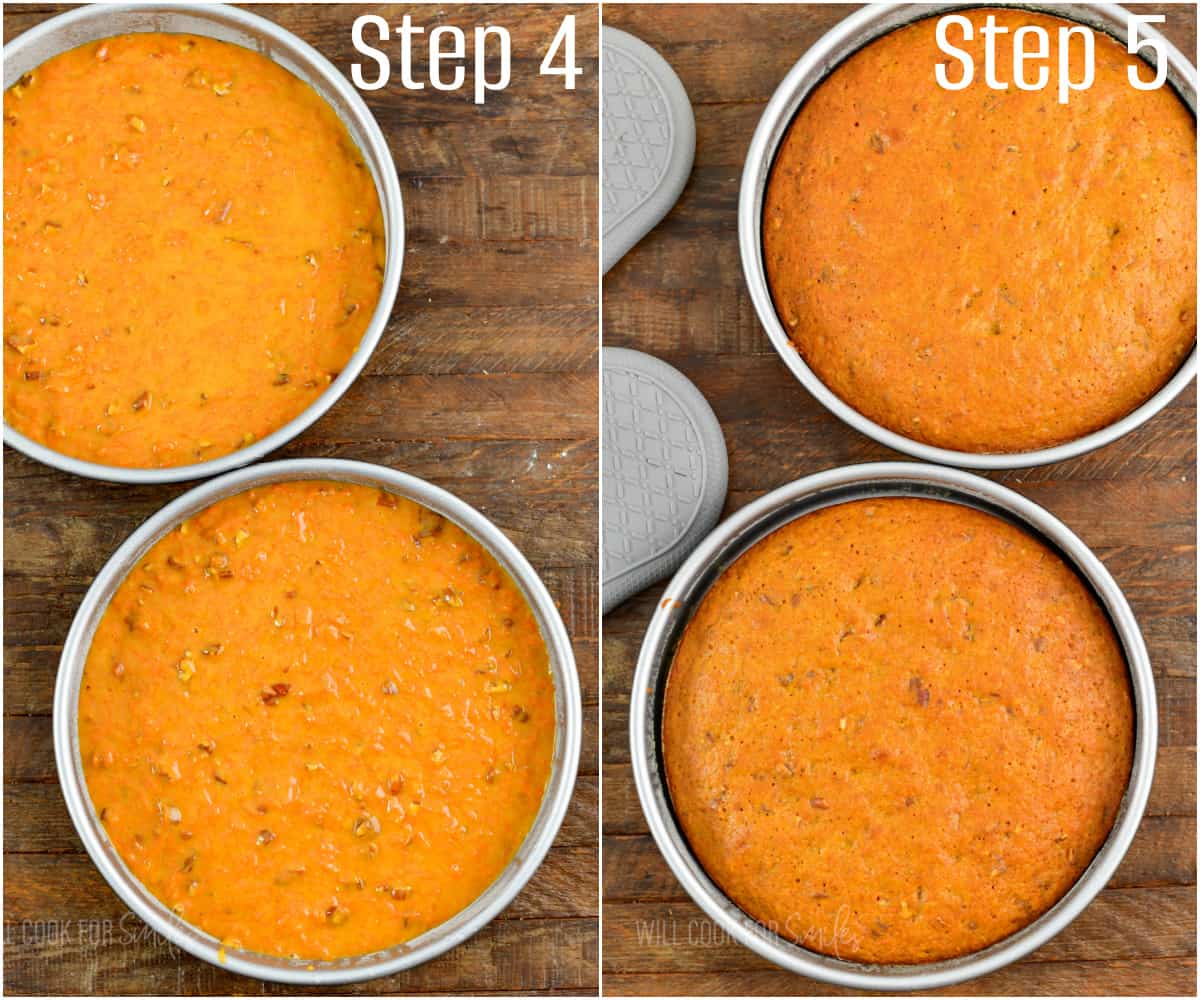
(317, 720)
(981, 270)
(193, 249)
(897, 730)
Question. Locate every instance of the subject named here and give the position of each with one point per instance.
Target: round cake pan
(228, 24)
(683, 595)
(568, 720)
(842, 41)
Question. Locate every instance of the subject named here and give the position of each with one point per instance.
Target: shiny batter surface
(897, 730)
(193, 249)
(317, 720)
(987, 271)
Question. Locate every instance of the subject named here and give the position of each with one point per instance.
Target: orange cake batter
(897, 730)
(317, 720)
(193, 249)
(987, 271)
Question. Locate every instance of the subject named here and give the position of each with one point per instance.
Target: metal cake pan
(833, 48)
(228, 24)
(568, 720)
(684, 594)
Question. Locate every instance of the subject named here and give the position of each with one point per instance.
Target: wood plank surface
(680, 295)
(484, 383)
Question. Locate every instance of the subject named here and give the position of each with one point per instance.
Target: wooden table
(485, 383)
(680, 295)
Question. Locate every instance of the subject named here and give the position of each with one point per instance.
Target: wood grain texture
(484, 383)
(680, 295)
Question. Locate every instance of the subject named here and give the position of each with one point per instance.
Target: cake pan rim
(687, 588)
(841, 41)
(449, 934)
(369, 140)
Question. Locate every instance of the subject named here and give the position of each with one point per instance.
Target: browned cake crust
(897, 730)
(987, 271)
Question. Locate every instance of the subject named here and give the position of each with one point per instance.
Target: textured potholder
(665, 472)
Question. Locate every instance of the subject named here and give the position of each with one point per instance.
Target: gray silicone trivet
(648, 141)
(665, 472)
